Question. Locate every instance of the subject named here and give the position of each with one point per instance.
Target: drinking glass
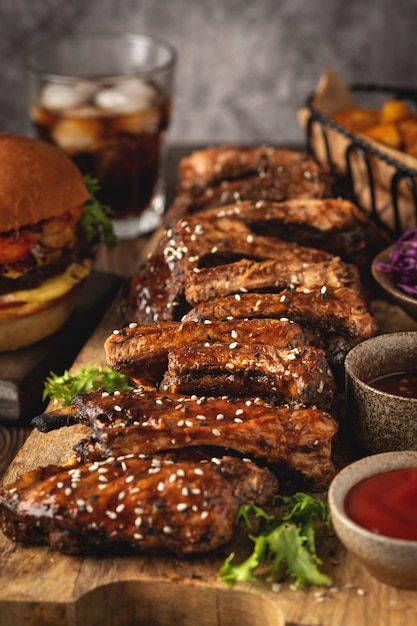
(105, 98)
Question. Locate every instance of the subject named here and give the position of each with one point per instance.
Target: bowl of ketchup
(373, 507)
(381, 392)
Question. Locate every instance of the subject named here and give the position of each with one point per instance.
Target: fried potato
(393, 111)
(388, 134)
(357, 119)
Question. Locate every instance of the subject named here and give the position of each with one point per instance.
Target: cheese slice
(26, 301)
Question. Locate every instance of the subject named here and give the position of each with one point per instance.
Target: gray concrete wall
(244, 66)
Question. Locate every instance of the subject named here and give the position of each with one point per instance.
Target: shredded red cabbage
(403, 262)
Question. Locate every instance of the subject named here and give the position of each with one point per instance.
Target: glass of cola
(105, 98)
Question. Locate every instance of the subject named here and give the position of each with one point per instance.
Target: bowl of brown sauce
(381, 392)
(373, 508)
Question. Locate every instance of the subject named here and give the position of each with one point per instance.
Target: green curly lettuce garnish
(62, 388)
(96, 219)
(282, 547)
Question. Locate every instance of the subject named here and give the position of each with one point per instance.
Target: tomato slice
(16, 245)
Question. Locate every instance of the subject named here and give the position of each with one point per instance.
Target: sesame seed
(233, 345)
(180, 472)
(111, 514)
(117, 408)
(220, 416)
(182, 506)
(238, 297)
(204, 514)
(137, 536)
(138, 522)
(161, 486)
(237, 420)
(68, 491)
(216, 432)
(234, 334)
(167, 530)
(199, 471)
(195, 491)
(239, 412)
(120, 508)
(139, 510)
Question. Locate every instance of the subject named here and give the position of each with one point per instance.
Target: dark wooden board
(23, 372)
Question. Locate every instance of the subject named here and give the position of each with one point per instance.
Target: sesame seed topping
(233, 345)
(111, 514)
(204, 514)
(120, 508)
(182, 506)
(199, 471)
(137, 536)
(167, 530)
(216, 432)
(219, 416)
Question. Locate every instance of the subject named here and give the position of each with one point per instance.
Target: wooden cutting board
(40, 587)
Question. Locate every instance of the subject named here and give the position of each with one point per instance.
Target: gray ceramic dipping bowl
(380, 421)
(392, 561)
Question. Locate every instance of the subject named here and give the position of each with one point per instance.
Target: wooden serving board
(41, 587)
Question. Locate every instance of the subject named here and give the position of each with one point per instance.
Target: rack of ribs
(269, 276)
(141, 350)
(263, 357)
(182, 506)
(221, 175)
(148, 422)
(334, 318)
(157, 291)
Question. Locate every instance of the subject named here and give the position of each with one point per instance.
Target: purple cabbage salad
(403, 262)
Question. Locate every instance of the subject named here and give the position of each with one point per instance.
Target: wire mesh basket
(378, 169)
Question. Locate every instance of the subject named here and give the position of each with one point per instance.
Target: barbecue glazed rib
(157, 291)
(268, 276)
(335, 319)
(218, 176)
(141, 421)
(141, 351)
(160, 503)
(290, 376)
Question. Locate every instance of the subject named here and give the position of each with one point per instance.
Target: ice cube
(60, 96)
(77, 135)
(126, 97)
(143, 122)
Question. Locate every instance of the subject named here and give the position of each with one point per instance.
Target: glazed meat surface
(141, 351)
(335, 319)
(134, 502)
(157, 290)
(292, 376)
(218, 176)
(271, 275)
(147, 422)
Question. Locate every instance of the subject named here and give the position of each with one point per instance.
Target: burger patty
(32, 277)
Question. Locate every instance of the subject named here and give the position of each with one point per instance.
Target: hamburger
(46, 242)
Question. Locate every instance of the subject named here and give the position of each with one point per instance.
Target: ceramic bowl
(392, 561)
(380, 421)
(386, 281)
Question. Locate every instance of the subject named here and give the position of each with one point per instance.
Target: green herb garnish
(62, 388)
(96, 219)
(283, 546)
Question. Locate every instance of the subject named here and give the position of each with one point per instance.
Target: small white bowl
(392, 561)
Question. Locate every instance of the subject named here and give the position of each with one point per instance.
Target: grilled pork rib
(159, 503)
(334, 319)
(142, 421)
(218, 176)
(289, 375)
(141, 351)
(271, 275)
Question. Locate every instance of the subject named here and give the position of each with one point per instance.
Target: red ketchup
(386, 504)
